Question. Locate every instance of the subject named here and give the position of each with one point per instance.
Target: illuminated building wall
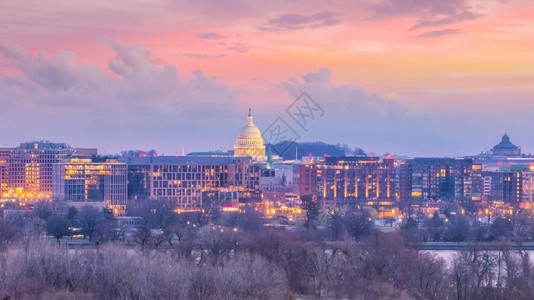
(305, 178)
(4, 156)
(527, 184)
(184, 179)
(468, 182)
(424, 179)
(275, 187)
(510, 184)
(29, 169)
(347, 180)
(91, 179)
(496, 186)
(512, 187)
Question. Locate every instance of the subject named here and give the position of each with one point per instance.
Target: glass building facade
(185, 179)
(28, 169)
(91, 180)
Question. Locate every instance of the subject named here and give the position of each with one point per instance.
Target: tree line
(209, 263)
(214, 255)
(458, 227)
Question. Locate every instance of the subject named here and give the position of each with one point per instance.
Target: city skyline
(412, 78)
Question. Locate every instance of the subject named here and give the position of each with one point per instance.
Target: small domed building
(249, 141)
(505, 148)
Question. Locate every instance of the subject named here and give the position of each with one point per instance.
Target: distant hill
(287, 149)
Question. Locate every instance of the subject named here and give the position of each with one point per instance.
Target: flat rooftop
(185, 160)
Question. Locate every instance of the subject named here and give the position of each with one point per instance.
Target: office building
(185, 179)
(446, 179)
(91, 180)
(347, 180)
(29, 169)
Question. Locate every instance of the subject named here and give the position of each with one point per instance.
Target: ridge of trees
(287, 149)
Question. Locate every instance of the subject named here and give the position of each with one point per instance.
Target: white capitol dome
(249, 141)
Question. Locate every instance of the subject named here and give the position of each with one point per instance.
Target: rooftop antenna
(296, 156)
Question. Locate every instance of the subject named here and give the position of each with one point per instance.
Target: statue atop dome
(249, 118)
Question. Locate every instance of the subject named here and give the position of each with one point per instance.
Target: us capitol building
(250, 142)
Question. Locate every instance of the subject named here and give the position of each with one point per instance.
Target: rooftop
(186, 160)
(505, 143)
(212, 153)
(43, 145)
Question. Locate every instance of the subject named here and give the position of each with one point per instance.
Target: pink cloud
(438, 33)
(148, 81)
(430, 13)
(297, 22)
(209, 35)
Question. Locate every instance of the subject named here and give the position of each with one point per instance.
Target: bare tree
(187, 238)
(359, 223)
(335, 225)
(8, 232)
(89, 218)
(426, 276)
(58, 226)
(148, 238)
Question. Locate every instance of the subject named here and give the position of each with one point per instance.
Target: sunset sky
(411, 77)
